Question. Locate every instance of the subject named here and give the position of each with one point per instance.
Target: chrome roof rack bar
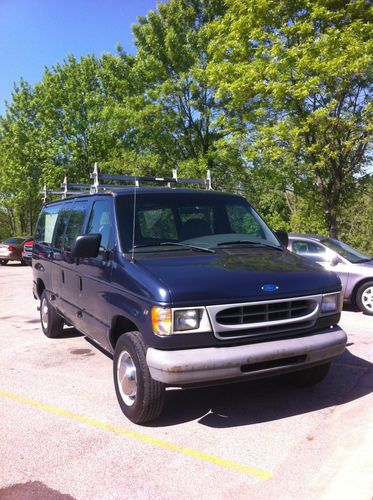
(72, 189)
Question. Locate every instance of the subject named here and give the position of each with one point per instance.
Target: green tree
(300, 72)
(22, 157)
(173, 115)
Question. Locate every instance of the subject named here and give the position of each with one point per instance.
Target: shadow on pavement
(32, 490)
(254, 402)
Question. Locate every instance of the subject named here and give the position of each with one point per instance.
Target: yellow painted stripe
(145, 438)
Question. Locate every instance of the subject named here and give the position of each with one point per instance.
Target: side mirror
(283, 237)
(335, 260)
(86, 246)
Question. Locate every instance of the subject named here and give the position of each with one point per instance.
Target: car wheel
(51, 321)
(3, 262)
(310, 376)
(364, 298)
(140, 397)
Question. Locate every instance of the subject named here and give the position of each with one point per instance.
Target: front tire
(140, 397)
(364, 298)
(309, 376)
(51, 321)
(3, 262)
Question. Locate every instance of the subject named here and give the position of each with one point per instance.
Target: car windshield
(195, 221)
(345, 251)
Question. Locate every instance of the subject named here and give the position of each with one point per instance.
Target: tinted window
(209, 219)
(45, 225)
(312, 250)
(301, 246)
(75, 223)
(157, 224)
(100, 222)
(242, 221)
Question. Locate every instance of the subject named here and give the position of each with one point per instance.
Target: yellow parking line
(160, 443)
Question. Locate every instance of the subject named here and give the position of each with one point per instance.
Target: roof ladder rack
(97, 176)
(70, 189)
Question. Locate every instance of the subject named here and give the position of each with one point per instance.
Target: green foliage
(300, 73)
(273, 96)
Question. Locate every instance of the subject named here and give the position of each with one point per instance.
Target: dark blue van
(184, 287)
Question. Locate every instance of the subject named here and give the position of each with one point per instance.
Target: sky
(39, 33)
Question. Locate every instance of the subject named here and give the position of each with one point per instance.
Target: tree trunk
(331, 221)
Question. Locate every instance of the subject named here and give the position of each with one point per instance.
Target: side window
(45, 225)
(310, 249)
(100, 222)
(75, 223)
(61, 224)
(300, 247)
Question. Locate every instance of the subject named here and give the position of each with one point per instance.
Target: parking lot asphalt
(63, 436)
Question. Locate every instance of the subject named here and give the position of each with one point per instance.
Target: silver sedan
(354, 269)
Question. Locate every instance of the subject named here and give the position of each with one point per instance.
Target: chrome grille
(265, 312)
(264, 317)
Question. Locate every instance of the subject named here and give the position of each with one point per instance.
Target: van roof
(126, 191)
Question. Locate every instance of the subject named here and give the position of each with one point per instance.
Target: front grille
(262, 313)
(259, 319)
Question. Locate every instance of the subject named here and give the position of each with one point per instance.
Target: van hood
(236, 275)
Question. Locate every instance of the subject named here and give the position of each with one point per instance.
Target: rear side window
(46, 224)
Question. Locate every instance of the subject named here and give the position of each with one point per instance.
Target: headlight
(161, 319)
(187, 319)
(331, 303)
(167, 321)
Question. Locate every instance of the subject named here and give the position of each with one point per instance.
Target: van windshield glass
(205, 220)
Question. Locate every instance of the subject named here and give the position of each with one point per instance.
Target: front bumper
(196, 366)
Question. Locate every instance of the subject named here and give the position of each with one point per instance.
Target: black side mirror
(86, 246)
(283, 237)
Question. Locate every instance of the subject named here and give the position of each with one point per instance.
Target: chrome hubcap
(127, 378)
(367, 298)
(44, 313)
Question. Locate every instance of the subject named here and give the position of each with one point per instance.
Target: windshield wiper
(174, 243)
(248, 242)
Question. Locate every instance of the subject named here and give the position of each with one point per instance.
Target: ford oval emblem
(270, 288)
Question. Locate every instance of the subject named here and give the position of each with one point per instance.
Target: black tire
(3, 262)
(51, 321)
(364, 298)
(310, 376)
(141, 398)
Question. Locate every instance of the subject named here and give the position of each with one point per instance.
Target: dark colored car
(184, 287)
(11, 249)
(354, 269)
(27, 251)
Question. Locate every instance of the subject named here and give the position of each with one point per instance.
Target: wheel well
(120, 325)
(40, 287)
(356, 287)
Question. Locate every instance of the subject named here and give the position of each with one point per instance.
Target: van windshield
(168, 220)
